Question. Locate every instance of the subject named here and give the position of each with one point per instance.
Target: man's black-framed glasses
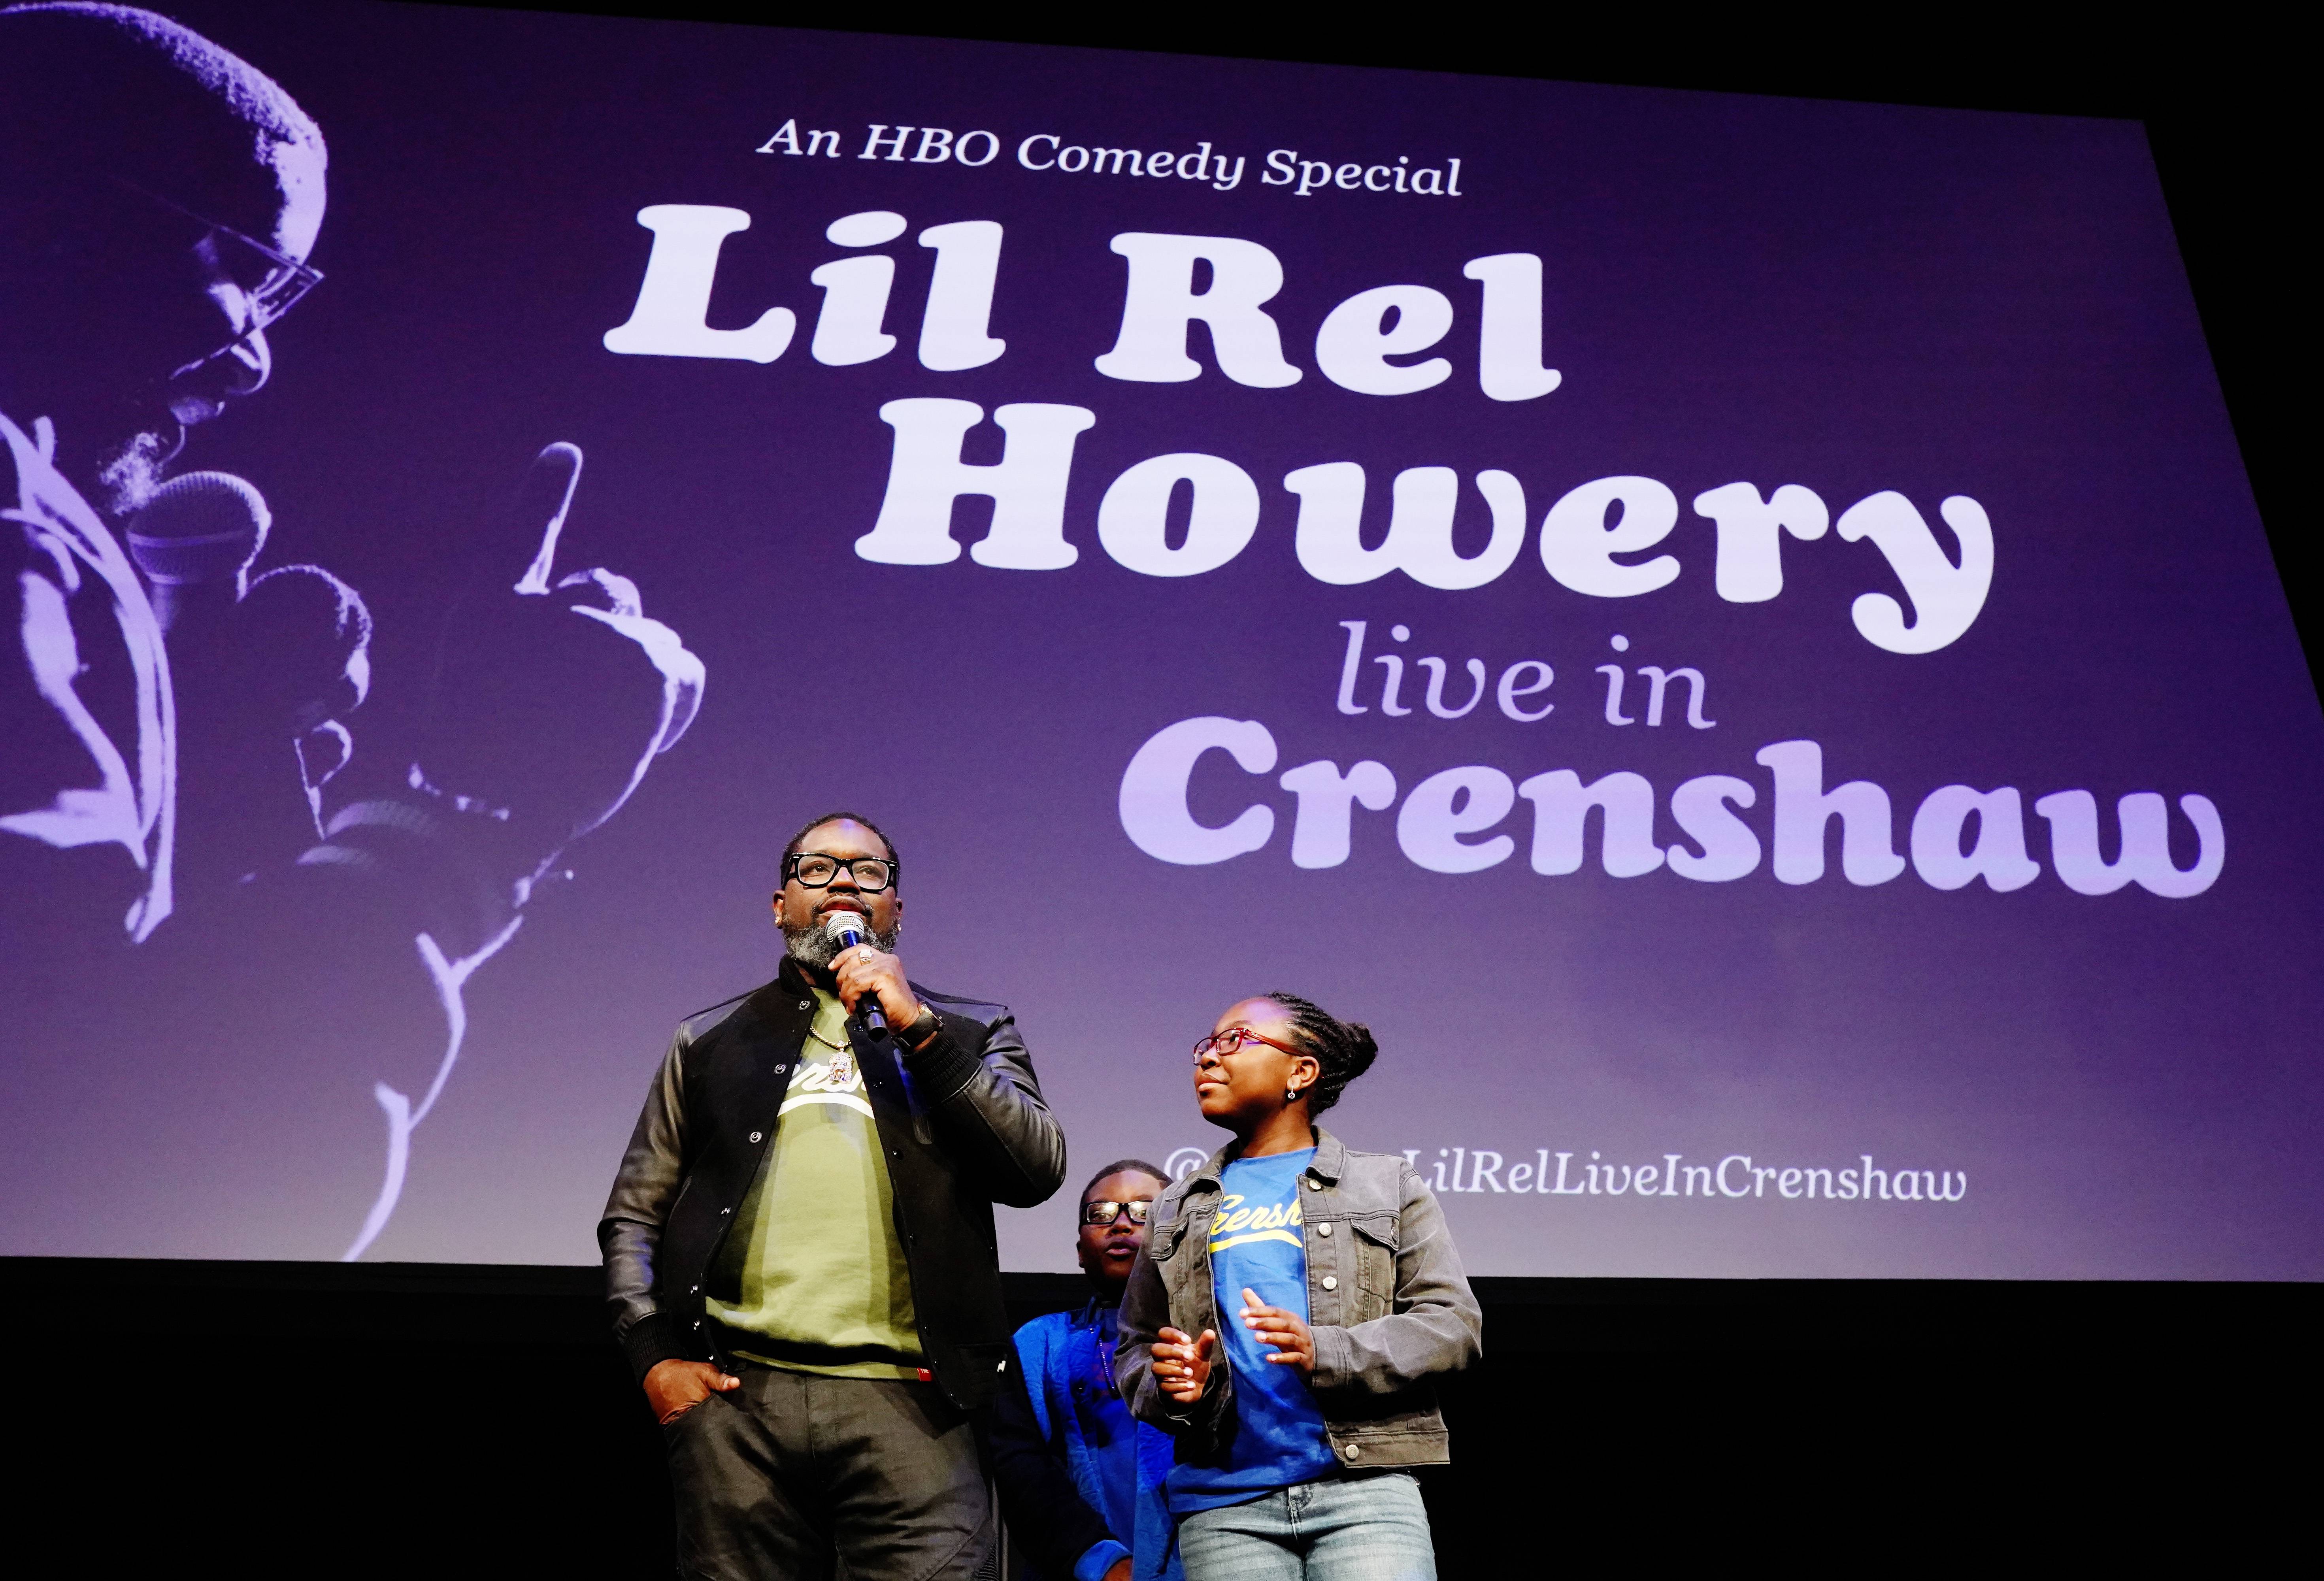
(1102, 1213)
(811, 868)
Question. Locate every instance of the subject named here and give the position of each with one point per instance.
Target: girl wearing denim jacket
(1299, 1414)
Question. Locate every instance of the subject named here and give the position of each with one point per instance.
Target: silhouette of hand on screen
(552, 696)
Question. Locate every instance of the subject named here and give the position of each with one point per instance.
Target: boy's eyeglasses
(1105, 1212)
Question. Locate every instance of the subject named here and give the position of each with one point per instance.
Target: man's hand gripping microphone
(848, 929)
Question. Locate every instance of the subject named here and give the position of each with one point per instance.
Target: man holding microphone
(799, 1252)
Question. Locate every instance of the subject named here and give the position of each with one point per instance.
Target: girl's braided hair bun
(1344, 1050)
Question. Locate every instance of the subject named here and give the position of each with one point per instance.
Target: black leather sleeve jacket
(963, 1123)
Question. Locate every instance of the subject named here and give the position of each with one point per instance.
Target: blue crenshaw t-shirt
(1280, 1439)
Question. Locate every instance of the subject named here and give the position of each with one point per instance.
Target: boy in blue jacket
(1081, 1482)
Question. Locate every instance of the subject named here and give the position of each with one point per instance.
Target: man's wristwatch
(924, 1028)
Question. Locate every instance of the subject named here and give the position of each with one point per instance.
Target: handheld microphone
(849, 927)
(200, 531)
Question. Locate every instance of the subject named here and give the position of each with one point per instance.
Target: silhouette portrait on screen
(185, 768)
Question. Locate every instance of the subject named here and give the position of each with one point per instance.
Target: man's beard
(816, 947)
(131, 471)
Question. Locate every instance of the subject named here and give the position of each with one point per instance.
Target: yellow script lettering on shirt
(1276, 1222)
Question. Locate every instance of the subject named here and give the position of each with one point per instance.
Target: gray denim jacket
(1387, 1301)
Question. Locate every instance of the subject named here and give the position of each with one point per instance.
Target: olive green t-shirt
(823, 1287)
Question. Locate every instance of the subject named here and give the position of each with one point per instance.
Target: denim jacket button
(1330, 1282)
(1324, 1231)
(1354, 1451)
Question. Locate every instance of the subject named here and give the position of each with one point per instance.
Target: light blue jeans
(1342, 1528)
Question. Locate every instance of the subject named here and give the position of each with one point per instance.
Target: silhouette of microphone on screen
(197, 538)
(256, 663)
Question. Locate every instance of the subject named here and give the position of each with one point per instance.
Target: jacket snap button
(725, 1211)
(1330, 1282)
(1314, 1184)
(1324, 1231)
(755, 1135)
(696, 1290)
(1355, 1450)
(803, 1005)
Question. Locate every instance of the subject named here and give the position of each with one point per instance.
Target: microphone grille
(840, 924)
(200, 527)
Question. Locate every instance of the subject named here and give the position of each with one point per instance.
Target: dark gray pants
(776, 1480)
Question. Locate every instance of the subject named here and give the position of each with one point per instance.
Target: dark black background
(312, 1420)
(309, 1419)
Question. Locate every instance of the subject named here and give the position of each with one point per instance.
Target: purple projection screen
(1732, 631)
